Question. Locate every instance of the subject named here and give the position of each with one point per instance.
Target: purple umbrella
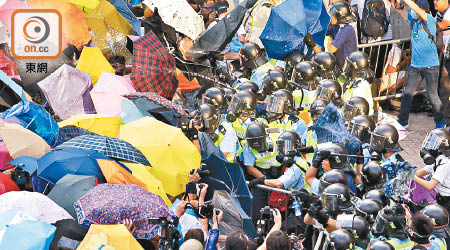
(112, 203)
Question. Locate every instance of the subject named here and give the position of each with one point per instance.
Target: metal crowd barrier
(387, 86)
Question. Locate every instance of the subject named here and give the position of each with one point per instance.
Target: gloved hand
(255, 182)
(360, 160)
(309, 40)
(314, 209)
(305, 196)
(321, 155)
(322, 218)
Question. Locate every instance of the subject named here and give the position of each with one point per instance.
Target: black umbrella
(8, 97)
(68, 234)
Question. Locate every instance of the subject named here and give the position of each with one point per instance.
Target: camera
(202, 171)
(265, 223)
(168, 233)
(296, 241)
(207, 210)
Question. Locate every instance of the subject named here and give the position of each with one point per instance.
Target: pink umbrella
(8, 8)
(4, 157)
(107, 93)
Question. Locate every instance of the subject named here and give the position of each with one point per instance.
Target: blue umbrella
(288, 24)
(126, 13)
(69, 132)
(27, 163)
(56, 164)
(207, 147)
(234, 218)
(229, 177)
(110, 147)
(17, 226)
(34, 118)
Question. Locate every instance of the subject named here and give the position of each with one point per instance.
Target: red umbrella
(6, 184)
(153, 67)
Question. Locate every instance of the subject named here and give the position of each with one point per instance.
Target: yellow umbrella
(153, 185)
(109, 237)
(85, 5)
(115, 174)
(22, 142)
(167, 149)
(94, 63)
(110, 30)
(100, 124)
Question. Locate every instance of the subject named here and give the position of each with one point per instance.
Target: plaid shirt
(153, 67)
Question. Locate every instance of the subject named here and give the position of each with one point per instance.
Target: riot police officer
(390, 226)
(215, 96)
(210, 119)
(331, 91)
(305, 74)
(259, 156)
(273, 80)
(436, 152)
(327, 65)
(309, 137)
(342, 239)
(251, 57)
(241, 112)
(292, 59)
(249, 86)
(440, 219)
(361, 127)
(355, 106)
(372, 177)
(357, 70)
(368, 209)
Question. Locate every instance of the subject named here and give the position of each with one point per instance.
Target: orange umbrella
(115, 174)
(74, 25)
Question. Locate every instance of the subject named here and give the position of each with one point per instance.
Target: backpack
(439, 41)
(374, 22)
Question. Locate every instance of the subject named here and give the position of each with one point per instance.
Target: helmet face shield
(287, 147)
(211, 124)
(350, 111)
(257, 143)
(324, 93)
(330, 202)
(276, 105)
(378, 226)
(348, 67)
(357, 130)
(431, 142)
(377, 142)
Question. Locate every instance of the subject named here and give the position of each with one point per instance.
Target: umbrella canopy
(67, 91)
(56, 164)
(100, 124)
(110, 147)
(107, 93)
(69, 189)
(5, 157)
(288, 24)
(153, 67)
(94, 63)
(152, 184)
(208, 148)
(229, 177)
(6, 184)
(33, 204)
(126, 13)
(85, 5)
(34, 118)
(158, 100)
(74, 26)
(179, 15)
(69, 132)
(22, 142)
(69, 229)
(109, 237)
(217, 37)
(109, 30)
(10, 92)
(17, 226)
(115, 174)
(27, 163)
(111, 203)
(7, 65)
(130, 112)
(8, 8)
(234, 218)
(167, 149)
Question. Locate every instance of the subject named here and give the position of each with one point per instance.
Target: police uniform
(260, 73)
(289, 123)
(230, 137)
(360, 87)
(309, 139)
(399, 244)
(308, 98)
(294, 178)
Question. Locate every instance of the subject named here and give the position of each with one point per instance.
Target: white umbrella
(34, 204)
(179, 15)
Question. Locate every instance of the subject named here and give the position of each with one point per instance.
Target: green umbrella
(69, 189)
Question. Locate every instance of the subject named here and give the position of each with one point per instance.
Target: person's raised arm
(414, 7)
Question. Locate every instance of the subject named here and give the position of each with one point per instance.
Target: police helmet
(338, 158)
(341, 239)
(256, 136)
(251, 56)
(440, 218)
(249, 86)
(288, 142)
(385, 137)
(336, 197)
(372, 175)
(280, 102)
(305, 74)
(215, 96)
(355, 106)
(242, 103)
(316, 108)
(329, 90)
(380, 245)
(341, 10)
(368, 209)
(357, 65)
(390, 222)
(377, 195)
(361, 126)
(326, 64)
(331, 177)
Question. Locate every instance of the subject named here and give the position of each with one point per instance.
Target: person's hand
(255, 182)
(9, 172)
(305, 196)
(360, 160)
(322, 218)
(203, 190)
(309, 40)
(180, 209)
(276, 217)
(195, 177)
(212, 16)
(217, 218)
(129, 225)
(321, 155)
(314, 209)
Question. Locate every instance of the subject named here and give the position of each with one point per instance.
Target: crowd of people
(319, 157)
